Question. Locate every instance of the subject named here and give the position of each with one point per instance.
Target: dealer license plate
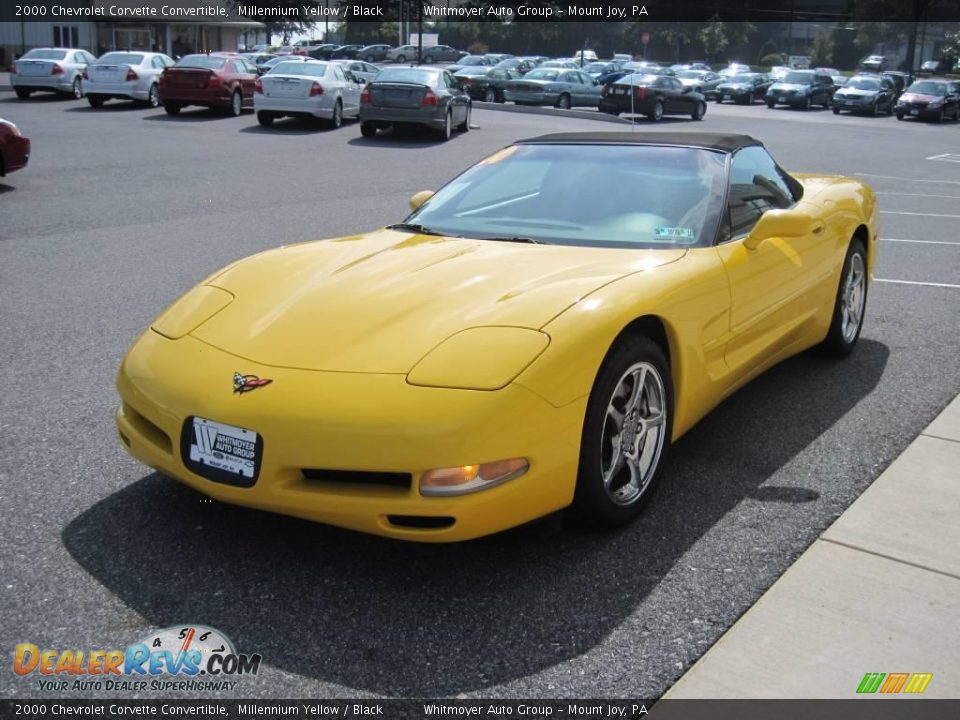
(783, 99)
(225, 448)
(726, 97)
(914, 112)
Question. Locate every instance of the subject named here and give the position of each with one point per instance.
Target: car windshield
(799, 78)
(929, 88)
(541, 74)
(407, 75)
(40, 54)
(691, 74)
(596, 67)
(740, 79)
(473, 60)
(863, 84)
(473, 71)
(121, 59)
(299, 68)
(615, 196)
(205, 62)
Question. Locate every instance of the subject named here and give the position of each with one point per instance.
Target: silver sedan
(554, 86)
(126, 76)
(57, 70)
(309, 89)
(359, 69)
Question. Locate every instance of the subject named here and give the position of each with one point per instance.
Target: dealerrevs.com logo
(185, 658)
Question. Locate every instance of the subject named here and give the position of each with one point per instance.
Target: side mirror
(420, 198)
(778, 223)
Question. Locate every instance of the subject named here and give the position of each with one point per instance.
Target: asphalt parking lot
(123, 209)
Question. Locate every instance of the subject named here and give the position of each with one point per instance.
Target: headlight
(471, 478)
(191, 311)
(16, 130)
(480, 358)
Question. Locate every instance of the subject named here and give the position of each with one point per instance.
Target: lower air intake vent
(357, 477)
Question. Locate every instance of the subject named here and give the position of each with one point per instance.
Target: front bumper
(357, 422)
(917, 110)
(17, 154)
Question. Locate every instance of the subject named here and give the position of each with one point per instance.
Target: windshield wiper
(414, 228)
(517, 239)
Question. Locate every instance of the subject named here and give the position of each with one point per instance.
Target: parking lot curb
(538, 110)
(878, 592)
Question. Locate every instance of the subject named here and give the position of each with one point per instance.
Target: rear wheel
(76, 90)
(447, 130)
(369, 58)
(368, 129)
(172, 108)
(699, 110)
(265, 119)
(401, 58)
(626, 434)
(337, 120)
(153, 97)
(850, 304)
(836, 110)
(899, 116)
(771, 104)
(96, 100)
(236, 104)
(656, 114)
(489, 95)
(23, 94)
(563, 102)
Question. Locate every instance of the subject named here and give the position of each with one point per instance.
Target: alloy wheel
(853, 298)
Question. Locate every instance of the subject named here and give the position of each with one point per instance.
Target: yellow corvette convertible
(532, 337)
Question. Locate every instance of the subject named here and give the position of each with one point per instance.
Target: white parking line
(898, 212)
(894, 177)
(945, 197)
(914, 282)
(921, 242)
(946, 157)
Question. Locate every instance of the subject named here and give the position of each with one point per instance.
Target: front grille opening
(148, 430)
(421, 522)
(359, 477)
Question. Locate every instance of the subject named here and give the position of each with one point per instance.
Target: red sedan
(14, 148)
(215, 81)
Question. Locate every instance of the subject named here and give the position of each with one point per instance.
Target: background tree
(821, 53)
(713, 36)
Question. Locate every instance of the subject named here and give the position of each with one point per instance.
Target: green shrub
(773, 59)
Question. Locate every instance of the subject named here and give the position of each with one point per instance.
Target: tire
(465, 125)
(368, 129)
(899, 116)
(265, 119)
(656, 114)
(836, 110)
(875, 109)
(851, 295)
(489, 95)
(699, 110)
(369, 58)
(807, 104)
(447, 130)
(563, 102)
(96, 100)
(613, 488)
(401, 58)
(429, 60)
(153, 96)
(172, 108)
(336, 122)
(890, 109)
(23, 94)
(76, 89)
(719, 100)
(942, 116)
(236, 104)
(771, 105)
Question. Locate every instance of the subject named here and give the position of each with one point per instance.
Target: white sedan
(307, 89)
(55, 69)
(362, 71)
(125, 75)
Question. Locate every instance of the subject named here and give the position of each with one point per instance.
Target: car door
(670, 91)
(459, 99)
(247, 76)
(771, 286)
(349, 90)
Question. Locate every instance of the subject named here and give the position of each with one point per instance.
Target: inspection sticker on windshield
(674, 233)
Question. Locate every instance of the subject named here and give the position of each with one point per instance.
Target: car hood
(733, 86)
(380, 302)
(920, 97)
(789, 86)
(855, 92)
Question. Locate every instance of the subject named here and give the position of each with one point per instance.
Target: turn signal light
(56, 70)
(471, 478)
(429, 98)
(316, 89)
(365, 97)
(131, 75)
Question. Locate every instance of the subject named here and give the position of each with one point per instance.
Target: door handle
(817, 228)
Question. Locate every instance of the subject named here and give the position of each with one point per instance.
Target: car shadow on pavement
(414, 620)
(114, 106)
(404, 139)
(40, 98)
(293, 127)
(194, 115)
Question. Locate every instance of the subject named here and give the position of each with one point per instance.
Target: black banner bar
(314, 709)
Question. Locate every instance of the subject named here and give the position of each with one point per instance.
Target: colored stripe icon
(894, 683)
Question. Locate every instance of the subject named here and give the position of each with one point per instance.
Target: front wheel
(447, 130)
(626, 434)
(807, 104)
(401, 58)
(771, 104)
(153, 97)
(337, 120)
(850, 303)
(489, 95)
(836, 110)
(465, 125)
(699, 111)
(899, 116)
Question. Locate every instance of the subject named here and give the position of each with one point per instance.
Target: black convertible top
(711, 141)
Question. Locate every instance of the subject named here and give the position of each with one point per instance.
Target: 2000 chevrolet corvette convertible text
(533, 336)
